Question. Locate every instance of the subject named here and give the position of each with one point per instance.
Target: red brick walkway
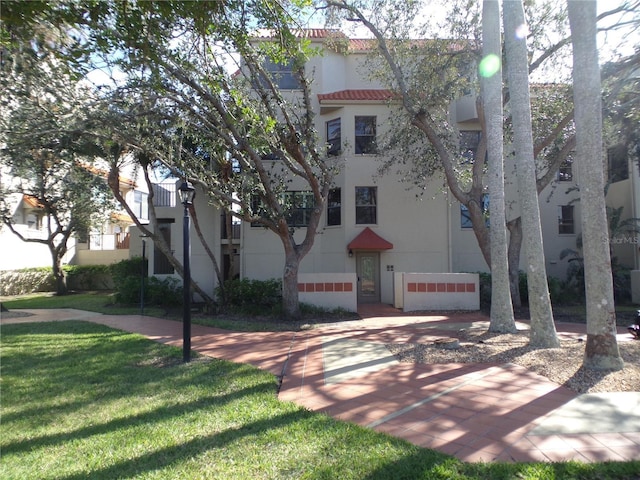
(477, 412)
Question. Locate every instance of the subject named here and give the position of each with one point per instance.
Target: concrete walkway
(477, 412)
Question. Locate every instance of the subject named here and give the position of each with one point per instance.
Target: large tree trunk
(58, 274)
(601, 351)
(501, 308)
(290, 300)
(515, 246)
(543, 331)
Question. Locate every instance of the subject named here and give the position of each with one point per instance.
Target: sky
(610, 44)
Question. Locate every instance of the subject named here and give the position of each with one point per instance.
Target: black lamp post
(187, 193)
(143, 274)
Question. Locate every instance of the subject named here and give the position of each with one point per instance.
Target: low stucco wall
(100, 257)
(437, 291)
(329, 290)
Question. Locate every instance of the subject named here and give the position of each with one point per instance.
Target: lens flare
(522, 31)
(489, 65)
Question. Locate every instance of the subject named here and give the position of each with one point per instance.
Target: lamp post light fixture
(187, 193)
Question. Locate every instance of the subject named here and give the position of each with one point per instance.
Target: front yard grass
(96, 301)
(80, 400)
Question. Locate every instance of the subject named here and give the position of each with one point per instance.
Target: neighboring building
(373, 228)
(108, 243)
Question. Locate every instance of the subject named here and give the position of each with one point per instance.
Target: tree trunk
(515, 246)
(543, 331)
(601, 350)
(205, 245)
(290, 300)
(58, 275)
(501, 308)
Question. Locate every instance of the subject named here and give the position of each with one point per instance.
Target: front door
(368, 271)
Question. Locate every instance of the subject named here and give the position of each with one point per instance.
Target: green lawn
(92, 301)
(81, 400)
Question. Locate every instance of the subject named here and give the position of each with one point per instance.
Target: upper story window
(565, 171)
(469, 141)
(366, 205)
(334, 137)
(365, 140)
(566, 224)
(34, 222)
(618, 163)
(465, 216)
(334, 207)
(282, 74)
(257, 209)
(300, 206)
(140, 205)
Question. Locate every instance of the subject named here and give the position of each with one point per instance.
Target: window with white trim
(334, 207)
(366, 205)
(365, 139)
(334, 137)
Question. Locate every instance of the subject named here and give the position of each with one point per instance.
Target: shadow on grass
(157, 415)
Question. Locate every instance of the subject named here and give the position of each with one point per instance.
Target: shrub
(26, 280)
(167, 292)
(558, 290)
(485, 290)
(264, 294)
(127, 281)
(89, 277)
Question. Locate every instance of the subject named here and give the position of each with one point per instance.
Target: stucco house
(104, 244)
(378, 240)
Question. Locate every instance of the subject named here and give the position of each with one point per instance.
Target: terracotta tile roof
(312, 33)
(323, 33)
(362, 44)
(362, 94)
(32, 202)
(100, 172)
(121, 217)
(369, 240)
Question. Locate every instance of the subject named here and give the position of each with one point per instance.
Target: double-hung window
(366, 205)
(334, 207)
(365, 141)
(565, 219)
(565, 171)
(334, 137)
(299, 206)
(141, 207)
(282, 75)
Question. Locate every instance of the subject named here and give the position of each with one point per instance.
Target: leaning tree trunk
(205, 245)
(502, 319)
(601, 351)
(543, 331)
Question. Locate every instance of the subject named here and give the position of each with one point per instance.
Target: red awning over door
(369, 240)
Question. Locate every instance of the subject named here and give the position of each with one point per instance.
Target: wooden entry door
(368, 271)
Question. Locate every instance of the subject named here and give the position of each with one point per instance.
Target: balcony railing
(164, 195)
(116, 241)
(235, 229)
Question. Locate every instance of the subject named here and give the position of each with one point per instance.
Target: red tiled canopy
(362, 94)
(369, 240)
